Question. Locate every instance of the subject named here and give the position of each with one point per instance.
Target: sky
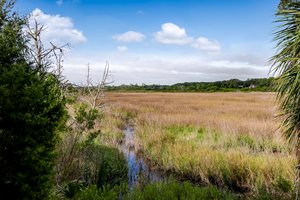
(159, 41)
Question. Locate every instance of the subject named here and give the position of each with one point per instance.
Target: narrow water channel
(139, 172)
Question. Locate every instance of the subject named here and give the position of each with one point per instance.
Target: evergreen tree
(31, 106)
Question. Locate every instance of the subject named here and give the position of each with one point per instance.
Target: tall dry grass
(228, 139)
(250, 113)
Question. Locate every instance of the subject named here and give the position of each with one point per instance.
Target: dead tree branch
(95, 90)
(45, 59)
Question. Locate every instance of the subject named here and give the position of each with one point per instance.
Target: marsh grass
(226, 139)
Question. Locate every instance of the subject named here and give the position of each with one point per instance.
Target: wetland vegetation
(183, 141)
(227, 140)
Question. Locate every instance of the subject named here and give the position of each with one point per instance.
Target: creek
(139, 171)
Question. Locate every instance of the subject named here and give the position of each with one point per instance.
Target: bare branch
(93, 92)
(45, 59)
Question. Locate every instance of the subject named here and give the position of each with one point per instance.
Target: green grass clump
(104, 165)
(200, 136)
(175, 190)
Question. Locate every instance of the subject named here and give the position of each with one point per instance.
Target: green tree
(286, 64)
(31, 106)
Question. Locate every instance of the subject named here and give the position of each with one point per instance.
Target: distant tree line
(258, 84)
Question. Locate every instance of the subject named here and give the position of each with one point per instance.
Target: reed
(226, 139)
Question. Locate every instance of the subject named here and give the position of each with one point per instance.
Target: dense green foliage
(286, 63)
(165, 191)
(175, 190)
(31, 106)
(155, 191)
(259, 84)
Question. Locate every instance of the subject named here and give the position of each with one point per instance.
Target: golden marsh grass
(227, 139)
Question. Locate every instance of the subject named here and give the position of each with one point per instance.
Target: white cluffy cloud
(58, 30)
(172, 34)
(129, 36)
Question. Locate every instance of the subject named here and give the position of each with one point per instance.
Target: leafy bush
(86, 117)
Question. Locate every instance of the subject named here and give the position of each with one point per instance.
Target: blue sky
(162, 42)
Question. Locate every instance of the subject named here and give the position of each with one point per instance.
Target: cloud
(130, 36)
(58, 30)
(253, 59)
(59, 2)
(205, 44)
(172, 34)
(122, 48)
(163, 69)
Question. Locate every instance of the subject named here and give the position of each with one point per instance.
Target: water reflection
(139, 172)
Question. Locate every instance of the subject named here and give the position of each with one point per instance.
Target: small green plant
(70, 190)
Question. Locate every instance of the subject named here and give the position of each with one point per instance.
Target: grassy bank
(228, 140)
(155, 191)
